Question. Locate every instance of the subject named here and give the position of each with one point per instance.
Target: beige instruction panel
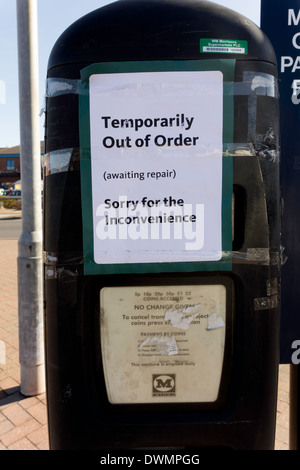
(163, 344)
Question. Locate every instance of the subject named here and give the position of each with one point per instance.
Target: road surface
(10, 227)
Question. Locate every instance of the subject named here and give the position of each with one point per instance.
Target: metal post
(30, 284)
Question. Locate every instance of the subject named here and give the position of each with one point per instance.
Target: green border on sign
(227, 67)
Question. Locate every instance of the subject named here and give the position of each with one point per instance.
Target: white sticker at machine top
(156, 165)
(163, 343)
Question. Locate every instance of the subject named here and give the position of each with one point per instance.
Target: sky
(54, 16)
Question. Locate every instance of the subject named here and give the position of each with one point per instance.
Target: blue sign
(280, 20)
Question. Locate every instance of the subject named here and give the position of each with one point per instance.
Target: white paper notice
(156, 346)
(156, 156)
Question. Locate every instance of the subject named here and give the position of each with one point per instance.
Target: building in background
(10, 166)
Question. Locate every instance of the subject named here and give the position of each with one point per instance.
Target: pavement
(23, 420)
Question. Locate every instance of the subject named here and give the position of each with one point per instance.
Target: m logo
(163, 385)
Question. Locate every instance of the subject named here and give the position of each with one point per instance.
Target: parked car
(7, 192)
(16, 193)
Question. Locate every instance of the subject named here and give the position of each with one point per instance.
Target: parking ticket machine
(162, 230)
